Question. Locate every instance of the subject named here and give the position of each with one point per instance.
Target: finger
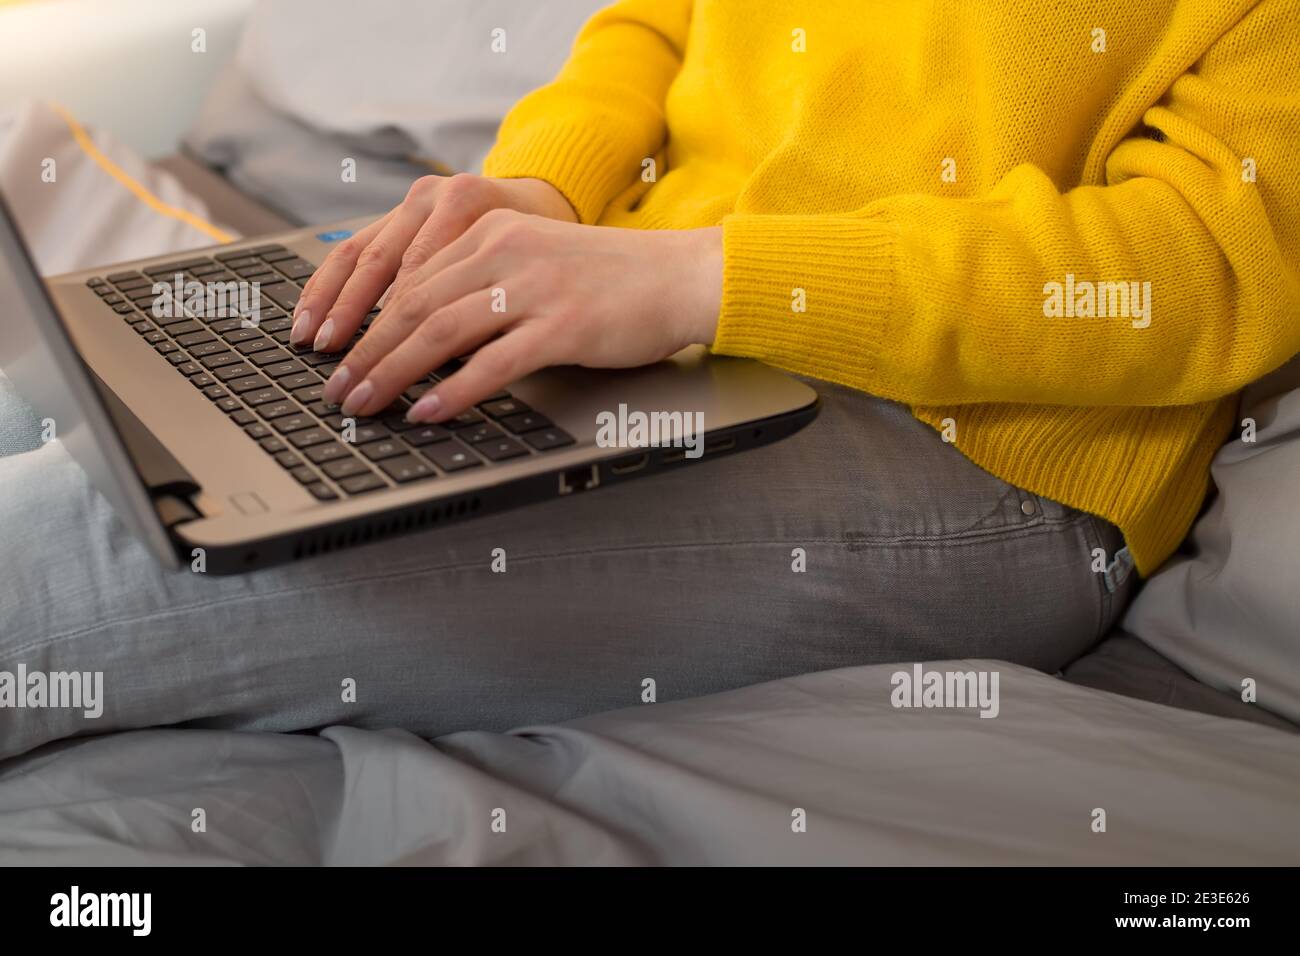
(329, 277)
(454, 329)
(460, 202)
(375, 268)
(524, 349)
(400, 319)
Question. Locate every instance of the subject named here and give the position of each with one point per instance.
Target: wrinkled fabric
(722, 779)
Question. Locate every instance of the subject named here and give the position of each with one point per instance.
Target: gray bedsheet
(719, 779)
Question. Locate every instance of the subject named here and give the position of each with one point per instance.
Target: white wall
(125, 65)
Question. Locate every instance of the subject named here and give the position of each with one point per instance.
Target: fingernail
(357, 398)
(337, 385)
(323, 336)
(299, 333)
(424, 409)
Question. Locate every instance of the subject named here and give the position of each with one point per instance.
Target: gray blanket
(815, 769)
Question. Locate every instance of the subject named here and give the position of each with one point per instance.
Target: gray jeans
(863, 539)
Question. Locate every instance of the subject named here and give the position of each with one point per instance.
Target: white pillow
(1228, 612)
(427, 69)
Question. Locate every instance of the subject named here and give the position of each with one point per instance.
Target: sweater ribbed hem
(582, 163)
(1053, 452)
(807, 293)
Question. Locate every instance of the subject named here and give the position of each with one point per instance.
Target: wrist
(706, 299)
(542, 199)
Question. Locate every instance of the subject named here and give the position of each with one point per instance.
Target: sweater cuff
(585, 165)
(810, 294)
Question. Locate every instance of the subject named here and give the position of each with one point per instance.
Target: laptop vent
(376, 529)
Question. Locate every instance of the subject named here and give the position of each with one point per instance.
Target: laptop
(207, 432)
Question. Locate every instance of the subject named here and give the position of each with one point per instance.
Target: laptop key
(287, 459)
(222, 326)
(295, 268)
(318, 358)
(265, 250)
(345, 468)
(463, 420)
(123, 276)
(283, 294)
(499, 449)
(407, 468)
(311, 393)
(277, 254)
(293, 423)
(238, 370)
(309, 437)
(397, 422)
(526, 422)
(175, 329)
(273, 410)
(451, 456)
(255, 345)
(505, 407)
(304, 475)
(202, 380)
(184, 265)
(256, 429)
(196, 338)
(276, 325)
(189, 368)
(323, 453)
(262, 396)
(229, 404)
(240, 334)
(283, 370)
(212, 348)
(478, 433)
(298, 379)
(323, 492)
(272, 445)
(379, 450)
(177, 358)
(426, 435)
(367, 433)
(269, 357)
(215, 392)
(362, 483)
(243, 417)
(166, 348)
(549, 438)
(248, 384)
(414, 393)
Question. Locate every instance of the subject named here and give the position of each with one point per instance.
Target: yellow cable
(146, 197)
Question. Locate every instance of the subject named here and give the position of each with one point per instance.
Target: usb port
(719, 444)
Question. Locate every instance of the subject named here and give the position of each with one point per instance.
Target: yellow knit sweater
(922, 199)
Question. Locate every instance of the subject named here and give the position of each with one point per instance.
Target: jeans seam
(1009, 532)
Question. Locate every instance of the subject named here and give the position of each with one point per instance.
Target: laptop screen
(38, 354)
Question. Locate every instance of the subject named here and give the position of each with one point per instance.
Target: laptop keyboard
(272, 390)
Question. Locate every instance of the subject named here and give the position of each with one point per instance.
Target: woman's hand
(525, 292)
(437, 209)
